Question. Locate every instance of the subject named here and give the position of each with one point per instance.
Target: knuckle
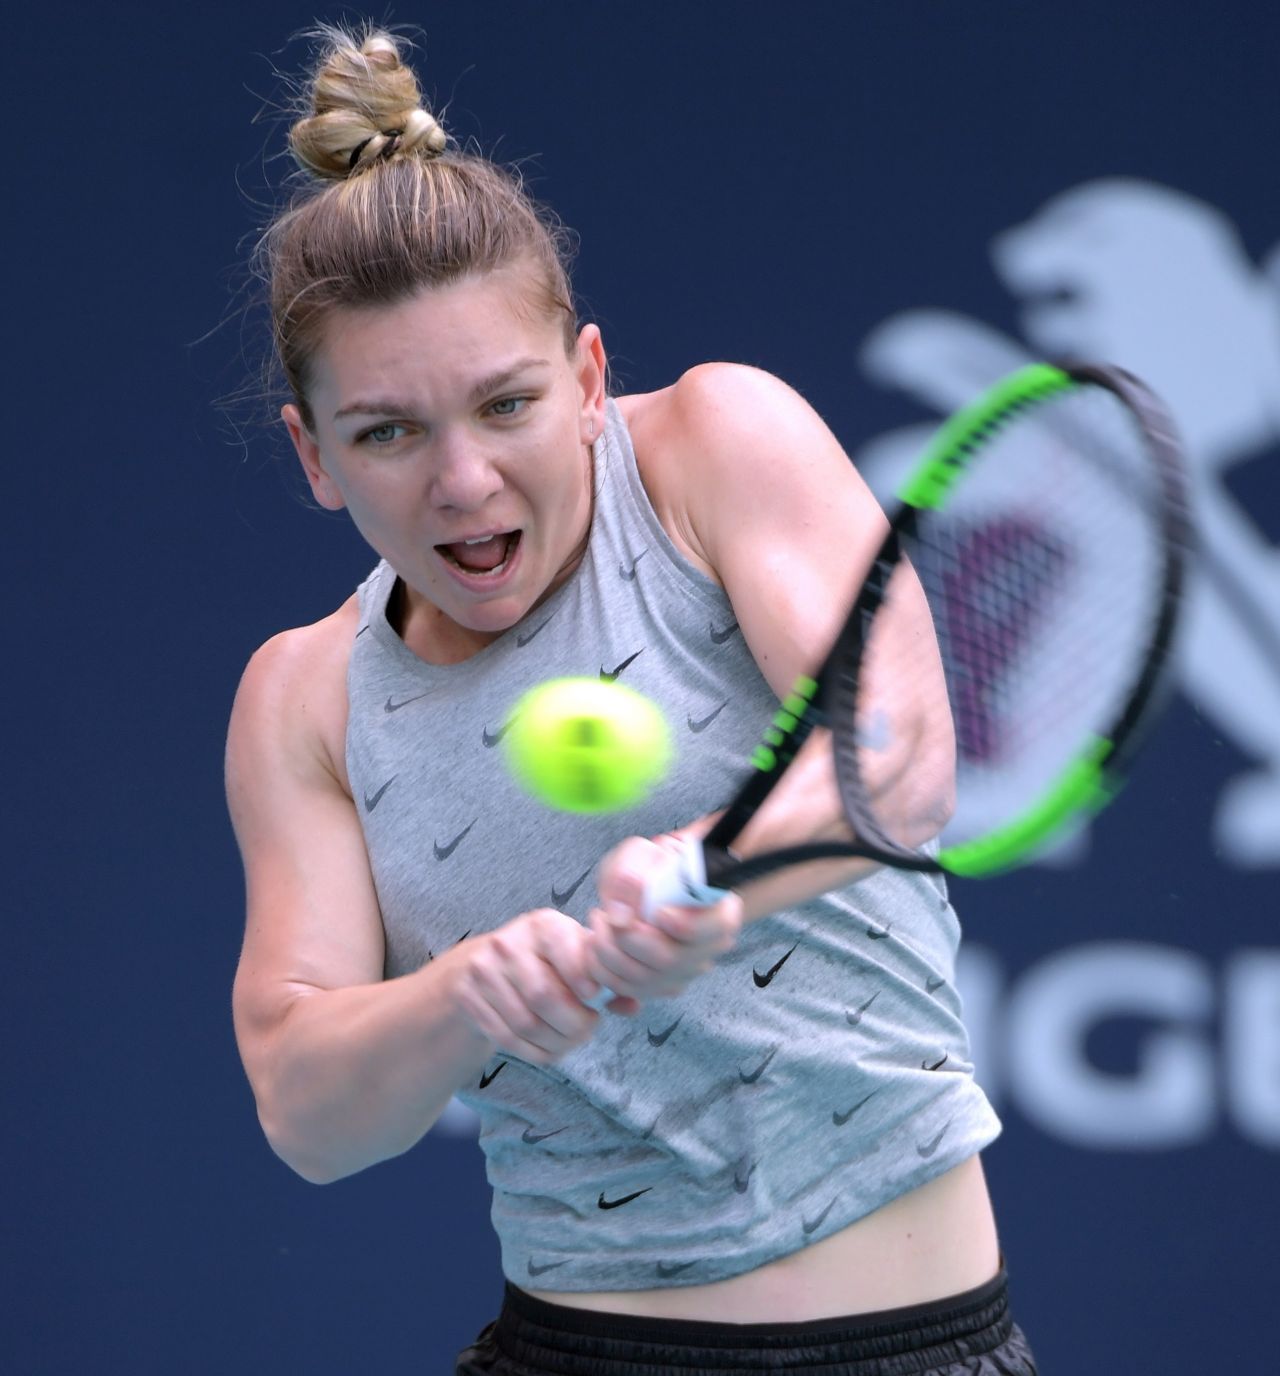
(537, 994)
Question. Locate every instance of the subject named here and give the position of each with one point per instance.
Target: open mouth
(485, 556)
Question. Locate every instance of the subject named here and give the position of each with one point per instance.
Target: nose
(464, 475)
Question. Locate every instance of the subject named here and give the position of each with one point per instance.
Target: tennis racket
(1047, 528)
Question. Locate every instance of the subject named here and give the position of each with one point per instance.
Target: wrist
(454, 972)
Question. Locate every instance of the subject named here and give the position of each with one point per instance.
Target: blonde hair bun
(365, 105)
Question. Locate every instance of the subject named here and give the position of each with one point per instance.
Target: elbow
(298, 1149)
(303, 1160)
(320, 1154)
(314, 1173)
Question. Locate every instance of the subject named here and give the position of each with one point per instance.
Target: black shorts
(967, 1335)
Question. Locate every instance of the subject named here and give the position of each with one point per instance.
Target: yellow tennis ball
(587, 745)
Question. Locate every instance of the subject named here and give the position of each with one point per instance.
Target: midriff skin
(936, 1241)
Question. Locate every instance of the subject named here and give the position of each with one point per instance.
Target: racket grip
(680, 880)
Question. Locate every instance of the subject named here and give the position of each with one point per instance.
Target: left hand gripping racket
(1007, 648)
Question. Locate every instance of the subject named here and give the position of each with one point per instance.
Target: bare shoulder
(727, 442)
(713, 409)
(291, 706)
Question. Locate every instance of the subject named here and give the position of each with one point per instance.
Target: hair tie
(393, 142)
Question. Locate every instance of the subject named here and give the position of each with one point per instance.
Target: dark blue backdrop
(771, 184)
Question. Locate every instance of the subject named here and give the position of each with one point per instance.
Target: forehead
(441, 339)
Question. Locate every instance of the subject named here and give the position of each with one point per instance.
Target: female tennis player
(764, 1153)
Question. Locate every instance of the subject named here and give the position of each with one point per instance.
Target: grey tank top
(819, 1071)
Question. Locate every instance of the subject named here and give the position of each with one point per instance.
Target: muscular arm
(775, 510)
(348, 1068)
(758, 493)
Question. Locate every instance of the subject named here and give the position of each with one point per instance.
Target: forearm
(357, 1075)
(805, 808)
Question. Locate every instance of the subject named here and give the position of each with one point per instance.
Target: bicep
(784, 518)
(791, 529)
(312, 919)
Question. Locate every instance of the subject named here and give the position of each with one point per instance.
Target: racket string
(1040, 579)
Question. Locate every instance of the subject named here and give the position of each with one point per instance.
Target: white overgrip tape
(680, 882)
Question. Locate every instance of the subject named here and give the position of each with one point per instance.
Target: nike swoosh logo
(759, 1070)
(740, 1182)
(604, 1203)
(719, 637)
(937, 1065)
(931, 986)
(660, 1038)
(521, 641)
(491, 740)
(927, 1149)
(487, 1080)
(629, 574)
(390, 706)
(528, 1135)
(535, 1270)
(813, 1225)
(878, 935)
(558, 898)
(608, 675)
(666, 1269)
(444, 852)
(697, 727)
(763, 981)
(840, 1119)
(853, 1019)
(371, 803)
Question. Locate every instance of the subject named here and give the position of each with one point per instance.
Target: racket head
(1020, 613)
(1047, 528)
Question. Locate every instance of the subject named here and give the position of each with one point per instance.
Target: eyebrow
(394, 406)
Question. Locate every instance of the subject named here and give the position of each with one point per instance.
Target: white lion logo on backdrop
(1145, 276)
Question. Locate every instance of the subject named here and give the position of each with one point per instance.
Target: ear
(323, 488)
(592, 370)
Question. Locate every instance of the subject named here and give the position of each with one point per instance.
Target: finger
(567, 946)
(714, 928)
(621, 974)
(530, 998)
(645, 962)
(475, 1001)
(547, 1003)
(683, 935)
(621, 883)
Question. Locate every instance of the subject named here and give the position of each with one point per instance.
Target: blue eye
(385, 433)
(509, 406)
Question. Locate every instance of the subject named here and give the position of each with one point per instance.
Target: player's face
(456, 430)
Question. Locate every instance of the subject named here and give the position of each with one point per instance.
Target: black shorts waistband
(975, 1321)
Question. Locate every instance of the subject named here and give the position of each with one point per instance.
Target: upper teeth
(479, 540)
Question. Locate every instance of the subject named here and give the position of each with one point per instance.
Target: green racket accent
(1081, 787)
(930, 482)
(794, 706)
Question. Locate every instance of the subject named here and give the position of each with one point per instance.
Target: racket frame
(829, 698)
